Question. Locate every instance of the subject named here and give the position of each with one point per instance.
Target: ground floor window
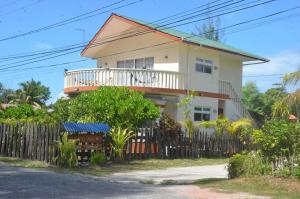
(201, 114)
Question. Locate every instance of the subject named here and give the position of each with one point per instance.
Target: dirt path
(179, 175)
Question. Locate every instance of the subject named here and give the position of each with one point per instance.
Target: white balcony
(96, 77)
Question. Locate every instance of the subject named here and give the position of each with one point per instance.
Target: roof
(184, 37)
(86, 127)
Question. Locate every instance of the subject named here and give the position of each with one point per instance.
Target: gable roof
(180, 37)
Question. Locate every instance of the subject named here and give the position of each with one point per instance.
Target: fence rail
(155, 143)
(29, 141)
(37, 142)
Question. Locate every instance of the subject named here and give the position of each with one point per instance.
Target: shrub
(98, 158)
(116, 106)
(67, 152)
(250, 164)
(168, 124)
(119, 138)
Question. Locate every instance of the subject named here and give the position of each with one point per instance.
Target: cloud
(281, 63)
(265, 75)
(41, 46)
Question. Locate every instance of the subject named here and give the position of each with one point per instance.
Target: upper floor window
(201, 114)
(204, 65)
(141, 63)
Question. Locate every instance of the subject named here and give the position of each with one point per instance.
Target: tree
(292, 78)
(61, 110)
(6, 95)
(253, 100)
(116, 106)
(32, 92)
(210, 28)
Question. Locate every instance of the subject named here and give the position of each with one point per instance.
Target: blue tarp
(86, 127)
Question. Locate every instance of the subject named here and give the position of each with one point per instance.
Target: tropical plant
(67, 152)
(280, 110)
(116, 106)
(292, 78)
(32, 92)
(187, 123)
(220, 125)
(61, 110)
(119, 138)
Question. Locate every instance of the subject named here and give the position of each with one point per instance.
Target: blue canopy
(86, 127)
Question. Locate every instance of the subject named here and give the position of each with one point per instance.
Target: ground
(165, 181)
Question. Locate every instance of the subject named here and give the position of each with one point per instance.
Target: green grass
(277, 188)
(125, 166)
(24, 163)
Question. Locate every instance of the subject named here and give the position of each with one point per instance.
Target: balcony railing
(123, 77)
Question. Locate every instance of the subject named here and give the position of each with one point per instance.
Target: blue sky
(279, 41)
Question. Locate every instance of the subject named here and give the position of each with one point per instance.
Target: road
(16, 182)
(24, 183)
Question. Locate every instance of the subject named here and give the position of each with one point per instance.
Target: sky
(277, 40)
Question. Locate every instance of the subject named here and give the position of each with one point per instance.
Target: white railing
(227, 88)
(124, 77)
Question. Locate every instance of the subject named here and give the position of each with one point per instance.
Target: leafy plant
(98, 157)
(119, 138)
(248, 164)
(116, 106)
(67, 152)
(168, 124)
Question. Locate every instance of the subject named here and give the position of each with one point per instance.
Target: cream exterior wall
(165, 56)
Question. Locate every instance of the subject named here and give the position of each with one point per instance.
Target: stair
(226, 87)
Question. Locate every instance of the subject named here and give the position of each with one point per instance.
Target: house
(165, 64)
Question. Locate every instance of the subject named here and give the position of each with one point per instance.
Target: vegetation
(118, 107)
(98, 158)
(187, 123)
(210, 28)
(277, 188)
(134, 165)
(67, 152)
(119, 138)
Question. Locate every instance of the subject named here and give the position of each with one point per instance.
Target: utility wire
(165, 43)
(73, 19)
(141, 33)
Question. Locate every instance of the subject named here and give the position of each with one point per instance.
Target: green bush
(248, 164)
(67, 152)
(98, 158)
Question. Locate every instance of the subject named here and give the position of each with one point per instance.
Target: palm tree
(292, 78)
(293, 99)
(32, 92)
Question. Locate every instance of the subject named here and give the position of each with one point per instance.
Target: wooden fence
(37, 142)
(29, 141)
(149, 142)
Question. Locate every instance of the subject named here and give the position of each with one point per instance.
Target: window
(141, 63)
(204, 66)
(125, 63)
(201, 114)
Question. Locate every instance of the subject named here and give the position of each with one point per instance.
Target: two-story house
(165, 64)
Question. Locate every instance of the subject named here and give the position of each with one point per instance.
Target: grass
(24, 163)
(125, 166)
(277, 188)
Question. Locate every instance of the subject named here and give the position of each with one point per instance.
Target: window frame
(204, 65)
(147, 63)
(201, 110)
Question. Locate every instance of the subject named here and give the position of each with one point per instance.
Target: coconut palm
(32, 92)
(292, 78)
(119, 138)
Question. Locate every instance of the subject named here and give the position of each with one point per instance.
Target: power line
(137, 34)
(7, 58)
(73, 19)
(160, 44)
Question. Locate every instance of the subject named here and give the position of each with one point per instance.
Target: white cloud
(265, 75)
(281, 63)
(41, 46)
